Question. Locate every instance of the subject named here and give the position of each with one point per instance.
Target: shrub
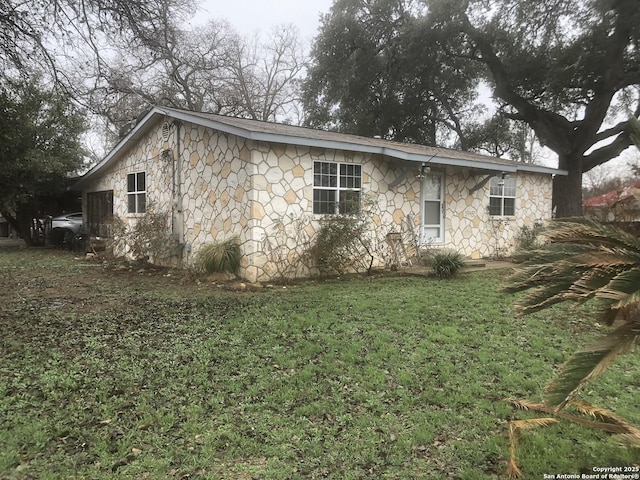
(528, 237)
(353, 242)
(287, 246)
(340, 245)
(221, 257)
(447, 264)
(528, 240)
(149, 238)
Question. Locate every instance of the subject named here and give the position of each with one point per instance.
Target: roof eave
(356, 147)
(525, 167)
(113, 154)
(307, 142)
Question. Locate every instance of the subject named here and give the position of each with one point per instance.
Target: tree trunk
(11, 221)
(567, 190)
(25, 216)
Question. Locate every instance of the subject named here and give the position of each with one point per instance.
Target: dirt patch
(56, 279)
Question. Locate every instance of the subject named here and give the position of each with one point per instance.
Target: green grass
(132, 374)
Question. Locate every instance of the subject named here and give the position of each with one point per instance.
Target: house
(620, 205)
(220, 177)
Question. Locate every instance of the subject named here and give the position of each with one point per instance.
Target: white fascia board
(459, 162)
(540, 169)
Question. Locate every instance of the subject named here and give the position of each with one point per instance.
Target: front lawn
(134, 374)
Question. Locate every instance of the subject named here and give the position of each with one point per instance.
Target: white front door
(432, 231)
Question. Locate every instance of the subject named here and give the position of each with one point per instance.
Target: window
(336, 187)
(137, 192)
(502, 197)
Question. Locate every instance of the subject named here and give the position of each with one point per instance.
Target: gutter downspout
(178, 215)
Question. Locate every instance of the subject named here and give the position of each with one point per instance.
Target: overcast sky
(248, 16)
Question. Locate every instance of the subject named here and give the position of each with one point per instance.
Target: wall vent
(166, 127)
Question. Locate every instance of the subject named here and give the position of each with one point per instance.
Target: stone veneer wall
(146, 155)
(216, 177)
(469, 227)
(283, 185)
(262, 193)
(283, 188)
(212, 170)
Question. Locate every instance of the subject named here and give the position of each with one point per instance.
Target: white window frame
(338, 188)
(425, 237)
(137, 193)
(503, 189)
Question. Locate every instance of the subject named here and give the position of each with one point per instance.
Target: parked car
(65, 227)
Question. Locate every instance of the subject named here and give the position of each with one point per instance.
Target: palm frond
(628, 439)
(583, 230)
(623, 289)
(513, 471)
(542, 297)
(523, 404)
(631, 431)
(591, 281)
(605, 257)
(618, 426)
(584, 260)
(594, 411)
(543, 265)
(533, 423)
(626, 433)
(582, 407)
(588, 363)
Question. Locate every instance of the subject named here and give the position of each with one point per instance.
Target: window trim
(441, 199)
(502, 196)
(338, 188)
(136, 193)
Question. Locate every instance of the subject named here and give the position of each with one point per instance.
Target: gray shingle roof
(289, 134)
(304, 136)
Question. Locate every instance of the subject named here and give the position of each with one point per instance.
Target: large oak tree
(408, 70)
(373, 73)
(568, 68)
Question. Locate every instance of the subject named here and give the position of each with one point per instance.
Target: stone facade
(219, 186)
(469, 227)
(145, 156)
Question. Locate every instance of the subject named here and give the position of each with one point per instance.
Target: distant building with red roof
(619, 205)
